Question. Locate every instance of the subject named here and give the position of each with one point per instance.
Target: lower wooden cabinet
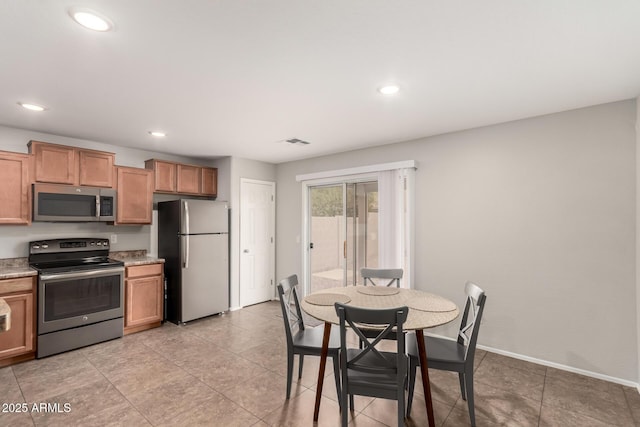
(144, 297)
(18, 343)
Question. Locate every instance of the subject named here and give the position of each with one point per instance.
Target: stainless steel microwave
(66, 203)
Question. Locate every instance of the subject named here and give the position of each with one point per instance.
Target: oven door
(68, 300)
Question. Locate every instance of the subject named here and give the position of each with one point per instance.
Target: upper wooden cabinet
(135, 195)
(15, 192)
(96, 168)
(209, 182)
(188, 179)
(71, 165)
(165, 175)
(183, 179)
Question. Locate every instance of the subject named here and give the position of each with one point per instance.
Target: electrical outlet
(113, 238)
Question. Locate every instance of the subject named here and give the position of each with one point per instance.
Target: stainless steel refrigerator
(193, 238)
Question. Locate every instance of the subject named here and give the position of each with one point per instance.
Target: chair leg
(336, 376)
(413, 367)
(468, 379)
(351, 404)
(344, 412)
(401, 407)
(300, 362)
(462, 387)
(289, 372)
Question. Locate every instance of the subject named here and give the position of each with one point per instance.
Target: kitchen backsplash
(14, 262)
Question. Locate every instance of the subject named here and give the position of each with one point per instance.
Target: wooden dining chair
(449, 355)
(301, 340)
(381, 276)
(368, 371)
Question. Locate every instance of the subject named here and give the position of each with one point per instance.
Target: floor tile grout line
(22, 394)
(626, 398)
(118, 390)
(221, 393)
(544, 386)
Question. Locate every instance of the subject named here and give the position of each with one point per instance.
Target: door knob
(246, 251)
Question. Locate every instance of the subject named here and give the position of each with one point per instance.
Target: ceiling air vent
(297, 141)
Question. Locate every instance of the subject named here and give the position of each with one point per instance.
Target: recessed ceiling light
(31, 107)
(389, 90)
(90, 19)
(157, 133)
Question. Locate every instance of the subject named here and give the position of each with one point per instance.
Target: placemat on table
(377, 290)
(433, 303)
(327, 299)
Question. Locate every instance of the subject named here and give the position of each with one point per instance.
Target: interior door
(257, 234)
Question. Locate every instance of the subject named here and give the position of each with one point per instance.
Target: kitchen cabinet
(144, 297)
(178, 178)
(15, 194)
(164, 174)
(209, 182)
(96, 168)
(188, 179)
(18, 343)
(135, 195)
(62, 164)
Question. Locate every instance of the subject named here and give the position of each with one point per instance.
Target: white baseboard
(234, 308)
(562, 367)
(555, 365)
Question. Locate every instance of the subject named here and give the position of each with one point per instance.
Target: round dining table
(426, 310)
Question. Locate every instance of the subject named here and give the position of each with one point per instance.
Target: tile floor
(230, 371)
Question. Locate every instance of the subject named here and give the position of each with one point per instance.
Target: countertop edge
(17, 272)
(128, 262)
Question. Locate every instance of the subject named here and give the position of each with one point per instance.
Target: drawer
(21, 284)
(144, 270)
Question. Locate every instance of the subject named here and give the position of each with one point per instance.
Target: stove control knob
(45, 246)
(36, 246)
(99, 243)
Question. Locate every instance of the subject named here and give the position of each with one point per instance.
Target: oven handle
(100, 272)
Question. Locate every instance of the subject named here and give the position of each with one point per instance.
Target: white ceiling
(233, 77)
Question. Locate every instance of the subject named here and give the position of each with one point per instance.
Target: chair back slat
(290, 306)
(470, 325)
(381, 276)
(359, 319)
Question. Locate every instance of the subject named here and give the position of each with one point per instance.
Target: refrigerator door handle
(186, 251)
(186, 217)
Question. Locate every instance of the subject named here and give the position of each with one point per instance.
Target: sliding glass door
(343, 232)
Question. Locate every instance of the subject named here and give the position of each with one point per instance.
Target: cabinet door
(96, 168)
(188, 179)
(54, 163)
(19, 339)
(209, 185)
(143, 301)
(164, 174)
(135, 195)
(15, 192)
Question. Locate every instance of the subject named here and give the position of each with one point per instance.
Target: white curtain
(395, 221)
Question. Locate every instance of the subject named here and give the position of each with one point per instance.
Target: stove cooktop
(76, 265)
(70, 255)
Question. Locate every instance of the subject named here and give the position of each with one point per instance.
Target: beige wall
(539, 212)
